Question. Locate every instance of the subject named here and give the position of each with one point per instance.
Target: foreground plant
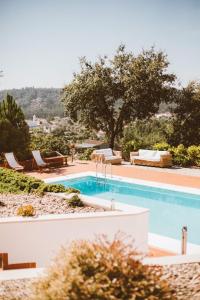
(100, 270)
(26, 211)
(16, 183)
(75, 201)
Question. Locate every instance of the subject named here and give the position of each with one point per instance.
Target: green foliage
(161, 146)
(14, 182)
(109, 94)
(179, 155)
(42, 102)
(100, 270)
(14, 132)
(86, 154)
(144, 134)
(194, 155)
(47, 143)
(131, 146)
(70, 190)
(186, 123)
(26, 211)
(75, 201)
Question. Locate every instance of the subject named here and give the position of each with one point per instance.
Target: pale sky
(41, 40)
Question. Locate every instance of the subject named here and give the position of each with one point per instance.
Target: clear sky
(41, 40)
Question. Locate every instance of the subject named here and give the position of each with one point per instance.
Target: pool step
(4, 264)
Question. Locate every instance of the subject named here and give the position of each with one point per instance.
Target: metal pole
(96, 163)
(112, 204)
(184, 240)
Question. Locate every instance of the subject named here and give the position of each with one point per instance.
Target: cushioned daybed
(153, 158)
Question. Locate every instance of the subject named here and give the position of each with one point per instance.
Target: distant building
(34, 123)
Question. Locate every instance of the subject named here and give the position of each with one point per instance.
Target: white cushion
(111, 157)
(105, 152)
(147, 153)
(152, 154)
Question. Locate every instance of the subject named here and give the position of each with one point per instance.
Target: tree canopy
(186, 122)
(14, 132)
(108, 94)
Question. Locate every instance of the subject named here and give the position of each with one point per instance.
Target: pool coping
(174, 187)
(155, 240)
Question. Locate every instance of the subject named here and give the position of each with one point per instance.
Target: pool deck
(177, 177)
(173, 177)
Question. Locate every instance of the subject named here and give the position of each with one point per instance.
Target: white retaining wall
(38, 239)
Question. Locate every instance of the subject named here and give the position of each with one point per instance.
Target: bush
(130, 146)
(194, 155)
(100, 270)
(144, 134)
(75, 201)
(26, 211)
(86, 154)
(161, 146)
(70, 190)
(179, 156)
(14, 182)
(47, 143)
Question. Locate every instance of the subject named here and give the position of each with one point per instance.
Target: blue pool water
(169, 210)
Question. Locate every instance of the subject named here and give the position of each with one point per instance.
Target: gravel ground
(48, 204)
(185, 280)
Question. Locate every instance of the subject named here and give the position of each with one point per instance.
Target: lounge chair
(38, 159)
(107, 156)
(12, 162)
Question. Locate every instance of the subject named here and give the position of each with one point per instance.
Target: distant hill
(43, 102)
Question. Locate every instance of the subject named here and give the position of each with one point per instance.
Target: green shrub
(75, 201)
(49, 143)
(161, 146)
(26, 211)
(54, 188)
(179, 156)
(14, 182)
(194, 155)
(86, 154)
(100, 270)
(131, 146)
(70, 190)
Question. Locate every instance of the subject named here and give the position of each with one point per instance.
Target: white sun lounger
(38, 159)
(12, 162)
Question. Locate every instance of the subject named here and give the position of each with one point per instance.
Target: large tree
(14, 132)
(108, 94)
(186, 113)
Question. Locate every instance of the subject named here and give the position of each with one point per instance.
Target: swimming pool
(169, 210)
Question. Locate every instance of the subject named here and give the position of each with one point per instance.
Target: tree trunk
(112, 140)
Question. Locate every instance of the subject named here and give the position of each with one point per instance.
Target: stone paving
(182, 177)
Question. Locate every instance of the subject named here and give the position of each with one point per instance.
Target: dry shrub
(26, 211)
(100, 270)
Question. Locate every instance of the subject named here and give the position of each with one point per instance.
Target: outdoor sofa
(152, 158)
(107, 156)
